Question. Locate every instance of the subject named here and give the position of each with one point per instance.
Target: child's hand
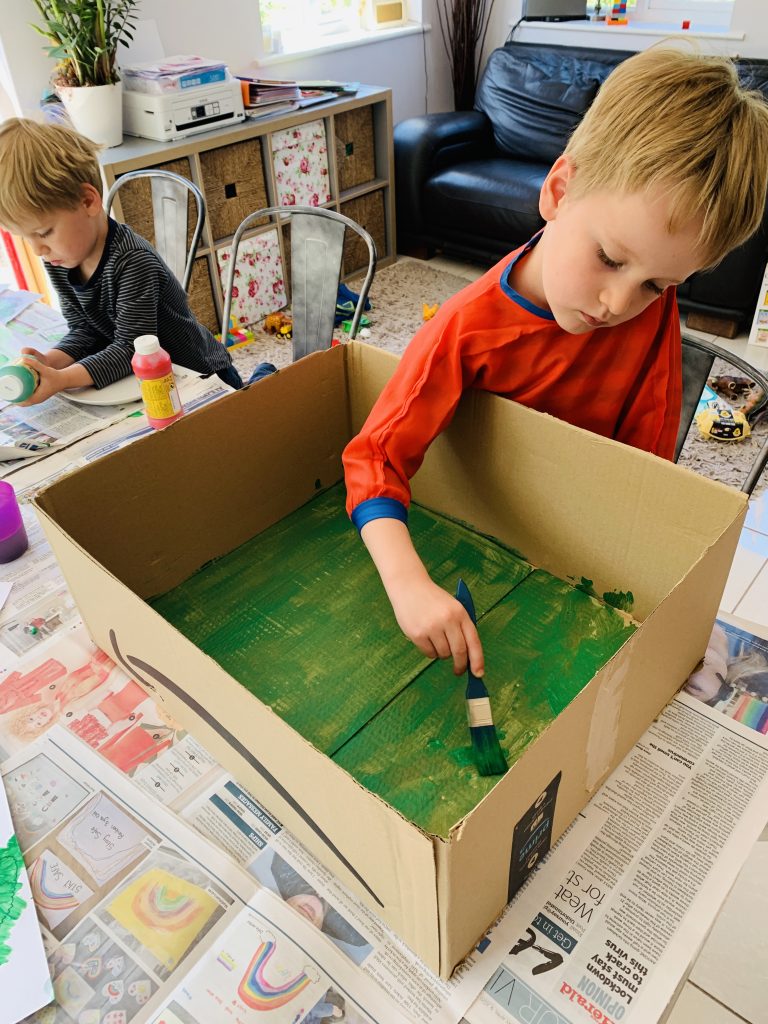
(53, 380)
(429, 617)
(35, 354)
(437, 624)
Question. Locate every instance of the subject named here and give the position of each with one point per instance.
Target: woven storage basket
(201, 300)
(368, 212)
(233, 180)
(135, 199)
(355, 151)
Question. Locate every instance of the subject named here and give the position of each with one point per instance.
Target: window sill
(345, 41)
(636, 28)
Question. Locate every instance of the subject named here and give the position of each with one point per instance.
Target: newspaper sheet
(606, 932)
(139, 913)
(626, 861)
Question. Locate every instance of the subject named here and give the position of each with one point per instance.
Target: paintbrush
(486, 748)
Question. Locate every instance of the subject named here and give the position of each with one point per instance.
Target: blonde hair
(680, 121)
(43, 167)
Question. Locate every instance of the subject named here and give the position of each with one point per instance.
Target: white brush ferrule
(479, 712)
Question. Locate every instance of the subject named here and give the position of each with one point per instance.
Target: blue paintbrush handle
(464, 598)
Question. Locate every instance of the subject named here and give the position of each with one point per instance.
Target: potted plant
(463, 26)
(84, 37)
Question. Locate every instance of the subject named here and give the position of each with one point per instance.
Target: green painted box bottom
(299, 617)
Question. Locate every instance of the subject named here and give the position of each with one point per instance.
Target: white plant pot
(95, 111)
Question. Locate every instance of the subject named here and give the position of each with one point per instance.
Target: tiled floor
(727, 984)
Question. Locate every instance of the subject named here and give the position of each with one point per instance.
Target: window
(291, 25)
(705, 12)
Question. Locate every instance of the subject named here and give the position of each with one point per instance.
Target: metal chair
(317, 250)
(698, 357)
(170, 193)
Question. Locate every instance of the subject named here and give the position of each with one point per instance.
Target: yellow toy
(429, 311)
(278, 323)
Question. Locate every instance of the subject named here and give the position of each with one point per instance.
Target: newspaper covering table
(166, 892)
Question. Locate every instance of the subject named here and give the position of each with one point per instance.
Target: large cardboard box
(143, 519)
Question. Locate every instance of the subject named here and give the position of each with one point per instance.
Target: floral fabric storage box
(259, 286)
(300, 158)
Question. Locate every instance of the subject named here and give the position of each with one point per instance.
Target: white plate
(120, 393)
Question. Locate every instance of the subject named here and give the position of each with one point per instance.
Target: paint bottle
(13, 535)
(152, 365)
(17, 382)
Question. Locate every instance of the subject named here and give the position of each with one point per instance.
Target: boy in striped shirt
(112, 284)
(665, 174)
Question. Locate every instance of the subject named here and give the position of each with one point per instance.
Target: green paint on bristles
(486, 750)
(623, 600)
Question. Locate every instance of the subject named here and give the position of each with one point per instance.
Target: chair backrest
(317, 250)
(170, 194)
(698, 357)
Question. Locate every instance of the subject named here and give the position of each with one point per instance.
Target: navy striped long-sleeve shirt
(131, 292)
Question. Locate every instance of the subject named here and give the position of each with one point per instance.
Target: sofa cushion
(493, 198)
(535, 95)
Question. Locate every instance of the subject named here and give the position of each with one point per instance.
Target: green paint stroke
(585, 586)
(298, 614)
(543, 643)
(11, 904)
(621, 599)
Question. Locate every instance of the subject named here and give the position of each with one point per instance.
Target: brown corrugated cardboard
(143, 519)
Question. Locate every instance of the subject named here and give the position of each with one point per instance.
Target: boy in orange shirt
(666, 173)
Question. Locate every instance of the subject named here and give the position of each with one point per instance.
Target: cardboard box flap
(193, 493)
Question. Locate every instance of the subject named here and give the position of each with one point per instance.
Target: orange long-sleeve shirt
(622, 382)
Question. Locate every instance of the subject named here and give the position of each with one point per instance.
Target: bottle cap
(11, 385)
(146, 344)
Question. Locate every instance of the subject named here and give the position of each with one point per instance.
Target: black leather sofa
(467, 183)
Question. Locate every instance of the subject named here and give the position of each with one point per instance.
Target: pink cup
(13, 536)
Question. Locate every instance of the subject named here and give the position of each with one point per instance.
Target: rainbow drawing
(160, 905)
(257, 993)
(753, 712)
(45, 895)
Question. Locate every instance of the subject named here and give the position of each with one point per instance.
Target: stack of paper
(262, 96)
(174, 74)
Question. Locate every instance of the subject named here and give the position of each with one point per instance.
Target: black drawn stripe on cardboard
(136, 663)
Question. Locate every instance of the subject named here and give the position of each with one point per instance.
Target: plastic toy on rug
(717, 419)
(237, 336)
(429, 311)
(279, 324)
(346, 303)
(346, 325)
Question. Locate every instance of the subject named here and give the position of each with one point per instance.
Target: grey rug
(398, 295)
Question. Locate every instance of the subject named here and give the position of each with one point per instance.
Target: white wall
(228, 29)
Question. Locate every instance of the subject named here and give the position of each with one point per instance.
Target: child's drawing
(56, 889)
(256, 989)
(41, 795)
(164, 910)
(103, 838)
(251, 974)
(21, 945)
(94, 979)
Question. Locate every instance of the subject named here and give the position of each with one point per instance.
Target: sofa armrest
(426, 144)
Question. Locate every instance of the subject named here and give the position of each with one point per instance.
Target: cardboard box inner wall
(140, 521)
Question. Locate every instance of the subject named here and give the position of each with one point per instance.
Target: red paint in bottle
(152, 366)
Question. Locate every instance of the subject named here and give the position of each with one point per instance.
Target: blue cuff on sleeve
(379, 508)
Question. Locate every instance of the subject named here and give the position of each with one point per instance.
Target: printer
(175, 115)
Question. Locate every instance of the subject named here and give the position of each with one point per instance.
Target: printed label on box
(532, 836)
